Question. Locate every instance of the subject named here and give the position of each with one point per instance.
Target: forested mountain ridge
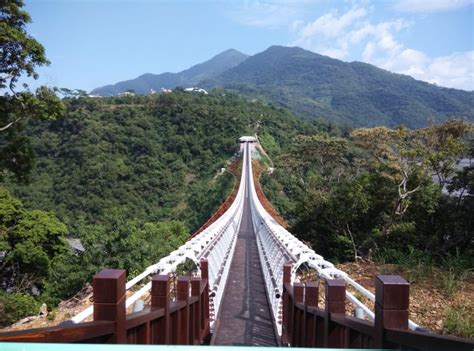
(190, 77)
(314, 86)
(143, 153)
(318, 87)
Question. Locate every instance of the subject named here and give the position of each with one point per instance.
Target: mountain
(315, 86)
(144, 83)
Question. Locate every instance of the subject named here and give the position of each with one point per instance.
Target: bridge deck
(245, 317)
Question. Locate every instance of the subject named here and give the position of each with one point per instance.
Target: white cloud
(404, 61)
(368, 52)
(425, 6)
(351, 33)
(330, 25)
(328, 34)
(265, 14)
(336, 34)
(454, 71)
(335, 52)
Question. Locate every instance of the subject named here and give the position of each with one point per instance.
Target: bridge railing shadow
(305, 324)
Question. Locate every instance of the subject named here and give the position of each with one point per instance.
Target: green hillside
(318, 87)
(153, 157)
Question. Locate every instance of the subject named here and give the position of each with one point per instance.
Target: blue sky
(91, 43)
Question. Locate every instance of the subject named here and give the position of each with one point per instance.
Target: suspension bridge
(245, 292)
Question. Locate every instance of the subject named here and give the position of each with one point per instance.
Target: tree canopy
(374, 194)
(20, 55)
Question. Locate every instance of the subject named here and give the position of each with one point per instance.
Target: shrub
(16, 306)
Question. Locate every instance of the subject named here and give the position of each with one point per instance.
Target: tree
(29, 242)
(321, 152)
(409, 157)
(20, 55)
(333, 199)
(441, 145)
(393, 154)
(378, 199)
(20, 52)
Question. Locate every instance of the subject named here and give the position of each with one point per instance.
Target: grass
(456, 270)
(414, 262)
(451, 282)
(417, 266)
(459, 321)
(448, 280)
(52, 315)
(262, 157)
(413, 269)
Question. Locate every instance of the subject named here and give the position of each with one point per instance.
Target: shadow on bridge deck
(245, 317)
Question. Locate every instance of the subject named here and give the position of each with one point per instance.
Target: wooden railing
(304, 324)
(184, 320)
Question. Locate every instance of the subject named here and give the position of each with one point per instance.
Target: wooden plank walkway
(245, 317)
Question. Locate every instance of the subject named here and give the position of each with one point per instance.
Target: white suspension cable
(216, 243)
(276, 245)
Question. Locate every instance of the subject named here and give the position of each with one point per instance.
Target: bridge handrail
(272, 238)
(307, 323)
(220, 235)
(70, 333)
(182, 320)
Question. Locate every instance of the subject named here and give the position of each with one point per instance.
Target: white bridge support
(216, 243)
(278, 246)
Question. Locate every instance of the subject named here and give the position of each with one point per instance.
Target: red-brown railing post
(335, 301)
(109, 300)
(195, 326)
(391, 305)
(160, 298)
(311, 300)
(182, 295)
(205, 325)
(298, 328)
(285, 304)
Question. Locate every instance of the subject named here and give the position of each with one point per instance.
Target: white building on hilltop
(196, 89)
(127, 93)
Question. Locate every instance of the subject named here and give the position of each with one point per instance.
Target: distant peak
(147, 75)
(292, 51)
(231, 52)
(277, 47)
(287, 49)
